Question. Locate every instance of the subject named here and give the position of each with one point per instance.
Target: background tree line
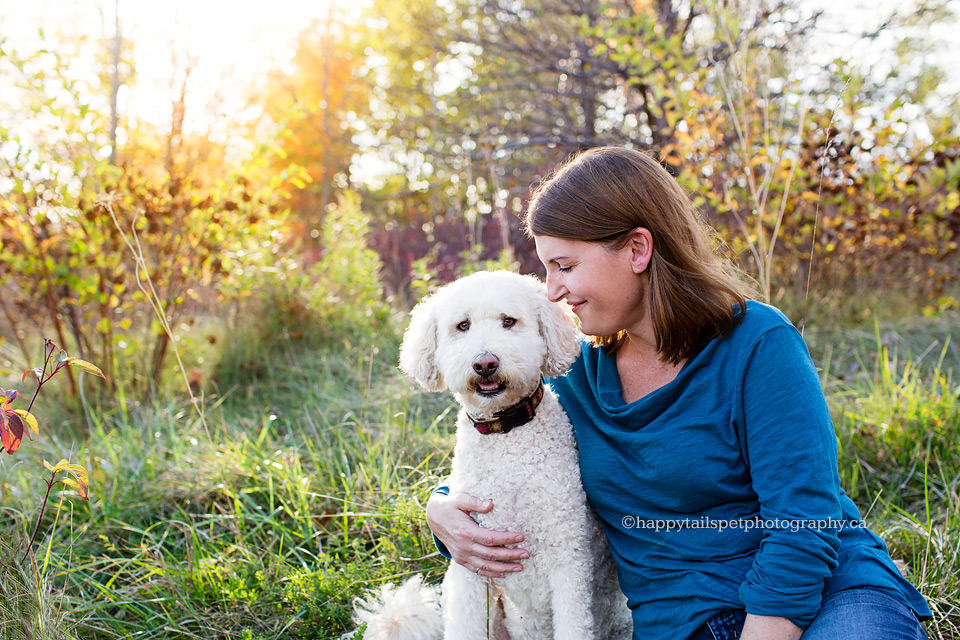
(836, 170)
(829, 182)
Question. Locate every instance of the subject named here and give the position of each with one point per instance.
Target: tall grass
(309, 493)
(898, 429)
(311, 489)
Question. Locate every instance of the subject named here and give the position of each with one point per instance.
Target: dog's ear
(419, 347)
(559, 330)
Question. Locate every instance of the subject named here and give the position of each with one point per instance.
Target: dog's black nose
(486, 364)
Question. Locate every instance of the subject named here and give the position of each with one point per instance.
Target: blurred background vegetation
(237, 253)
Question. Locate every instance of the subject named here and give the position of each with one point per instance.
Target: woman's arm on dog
(469, 544)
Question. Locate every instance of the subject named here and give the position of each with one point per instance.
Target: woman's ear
(640, 245)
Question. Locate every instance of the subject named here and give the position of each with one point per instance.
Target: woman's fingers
(490, 567)
(466, 502)
(506, 555)
(492, 559)
(469, 544)
(487, 537)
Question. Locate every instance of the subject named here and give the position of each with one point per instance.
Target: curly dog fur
(488, 338)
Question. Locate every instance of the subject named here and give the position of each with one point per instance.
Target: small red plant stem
(43, 508)
(35, 394)
(41, 381)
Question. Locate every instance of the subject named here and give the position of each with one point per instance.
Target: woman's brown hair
(602, 194)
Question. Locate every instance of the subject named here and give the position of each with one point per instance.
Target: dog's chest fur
(521, 471)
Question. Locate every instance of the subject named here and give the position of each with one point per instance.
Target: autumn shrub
(336, 301)
(420, 246)
(96, 251)
(349, 295)
(824, 197)
(426, 277)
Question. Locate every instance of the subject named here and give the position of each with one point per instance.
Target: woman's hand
(479, 550)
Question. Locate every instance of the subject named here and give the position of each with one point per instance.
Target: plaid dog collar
(512, 417)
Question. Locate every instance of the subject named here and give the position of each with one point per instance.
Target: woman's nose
(555, 291)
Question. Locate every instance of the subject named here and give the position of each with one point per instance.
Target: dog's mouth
(489, 387)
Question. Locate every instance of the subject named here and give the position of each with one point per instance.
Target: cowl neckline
(604, 379)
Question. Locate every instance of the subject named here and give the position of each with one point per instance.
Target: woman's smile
(600, 284)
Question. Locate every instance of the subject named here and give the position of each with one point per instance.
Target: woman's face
(604, 287)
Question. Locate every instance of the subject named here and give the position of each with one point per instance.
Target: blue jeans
(853, 614)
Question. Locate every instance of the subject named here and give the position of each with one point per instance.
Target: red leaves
(14, 422)
(11, 429)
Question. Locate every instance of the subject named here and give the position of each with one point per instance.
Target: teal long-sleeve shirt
(720, 490)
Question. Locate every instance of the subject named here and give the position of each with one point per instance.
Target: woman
(706, 446)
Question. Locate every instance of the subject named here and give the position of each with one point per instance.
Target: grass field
(309, 489)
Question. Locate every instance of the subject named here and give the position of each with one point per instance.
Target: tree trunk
(156, 362)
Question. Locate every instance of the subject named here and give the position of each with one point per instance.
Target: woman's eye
(564, 269)
(509, 322)
(463, 326)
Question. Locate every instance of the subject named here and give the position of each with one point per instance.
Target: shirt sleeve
(789, 446)
(442, 548)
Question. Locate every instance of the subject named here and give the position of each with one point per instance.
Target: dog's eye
(508, 322)
(463, 326)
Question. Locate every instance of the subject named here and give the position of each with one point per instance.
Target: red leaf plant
(15, 422)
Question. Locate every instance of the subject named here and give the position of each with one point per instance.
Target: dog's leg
(571, 597)
(465, 605)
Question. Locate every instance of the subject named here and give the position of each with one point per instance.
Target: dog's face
(488, 337)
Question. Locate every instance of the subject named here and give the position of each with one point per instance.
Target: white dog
(489, 337)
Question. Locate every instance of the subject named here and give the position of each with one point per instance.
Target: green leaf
(73, 484)
(60, 466)
(81, 478)
(85, 366)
